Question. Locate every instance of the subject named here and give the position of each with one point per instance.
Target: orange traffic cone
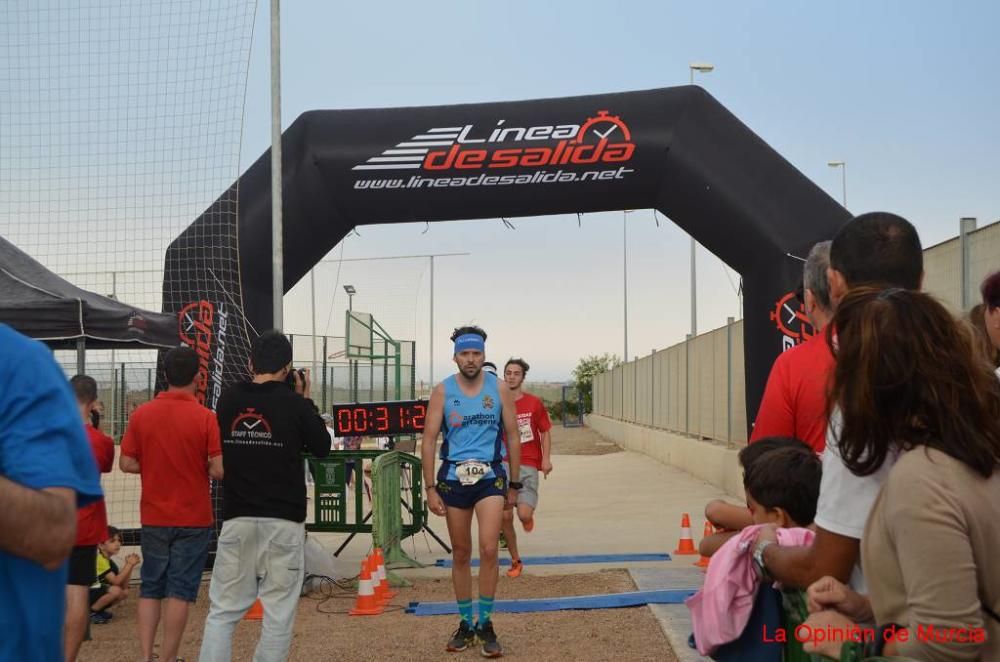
(366, 604)
(255, 613)
(704, 560)
(686, 544)
(384, 589)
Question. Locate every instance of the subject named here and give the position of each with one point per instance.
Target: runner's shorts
(456, 495)
(528, 494)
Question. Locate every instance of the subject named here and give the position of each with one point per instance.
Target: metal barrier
(397, 479)
(387, 506)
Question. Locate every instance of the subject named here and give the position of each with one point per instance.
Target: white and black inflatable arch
(676, 150)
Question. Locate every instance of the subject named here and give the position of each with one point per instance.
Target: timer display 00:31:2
(379, 418)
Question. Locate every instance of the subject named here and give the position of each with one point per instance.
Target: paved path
(597, 504)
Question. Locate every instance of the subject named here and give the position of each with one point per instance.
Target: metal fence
(697, 387)
(127, 378)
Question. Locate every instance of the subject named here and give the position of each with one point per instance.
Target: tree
(584, 372)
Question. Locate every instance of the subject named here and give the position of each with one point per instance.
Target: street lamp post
(843, 181)
(350, 296)
(351, 382)
(702, 68)
(625, 277)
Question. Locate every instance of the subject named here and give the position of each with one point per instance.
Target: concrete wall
(695, 387)
(715, 463)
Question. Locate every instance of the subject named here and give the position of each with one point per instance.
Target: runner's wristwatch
(515, 485)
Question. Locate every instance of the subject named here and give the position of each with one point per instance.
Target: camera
(290, 378)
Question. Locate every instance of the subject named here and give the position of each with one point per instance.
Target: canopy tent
(40, 304)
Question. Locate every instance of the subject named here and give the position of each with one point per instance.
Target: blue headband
(470, 341)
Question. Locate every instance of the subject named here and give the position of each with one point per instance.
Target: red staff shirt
(173, 437)
(92, 520)
(794, 402)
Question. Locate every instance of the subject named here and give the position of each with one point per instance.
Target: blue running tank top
(471, 425)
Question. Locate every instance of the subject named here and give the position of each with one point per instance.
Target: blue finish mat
(559, 560)
(606, 601)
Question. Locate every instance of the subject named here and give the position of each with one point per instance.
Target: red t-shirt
(794, 402)
(92, 520)
(532, 421)
(172, 437)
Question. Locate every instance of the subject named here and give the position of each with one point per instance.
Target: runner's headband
(470, 341)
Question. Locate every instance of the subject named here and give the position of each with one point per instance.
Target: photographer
(266, 426)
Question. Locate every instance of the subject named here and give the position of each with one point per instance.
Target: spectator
(47, 471)
(91, 524)
(735, 605)
(729, 518)
(266, 426)
(876, 248)
(984, 343)
(111, 587)
(794, 400)
(336, 443)
(172, 442)
(914, 396)
(991, 314)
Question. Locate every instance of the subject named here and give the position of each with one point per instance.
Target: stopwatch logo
(791, 320)
(251, 421)
(599, 127)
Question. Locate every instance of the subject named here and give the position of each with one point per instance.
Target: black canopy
(42, 305)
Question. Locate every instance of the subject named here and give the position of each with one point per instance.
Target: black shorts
(97, 593)
(456, 495)
(82, 566)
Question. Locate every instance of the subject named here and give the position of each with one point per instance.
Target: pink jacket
(721, 609)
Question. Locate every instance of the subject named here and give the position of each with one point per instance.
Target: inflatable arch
(676, 150)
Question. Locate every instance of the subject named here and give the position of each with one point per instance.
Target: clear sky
(905, 92)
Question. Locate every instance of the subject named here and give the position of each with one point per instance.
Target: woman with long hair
(913, 389)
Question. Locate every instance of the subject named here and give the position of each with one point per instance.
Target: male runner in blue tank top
(471, 408)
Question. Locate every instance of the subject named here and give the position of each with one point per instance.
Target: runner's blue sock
(465, 611)
(485, 609)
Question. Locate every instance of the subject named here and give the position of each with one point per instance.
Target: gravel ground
(622, 634)
(580, 441)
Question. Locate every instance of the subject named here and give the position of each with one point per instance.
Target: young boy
(729, 517)
(111, 586)
(782, 488)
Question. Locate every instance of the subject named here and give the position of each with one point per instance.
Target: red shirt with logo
(173, 437)
(532, 421)
(92, 520)
(794, 402)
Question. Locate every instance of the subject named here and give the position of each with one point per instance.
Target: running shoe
(99, 618)
(488, 638)
(529, 526)
(515, 569)
(462, 638)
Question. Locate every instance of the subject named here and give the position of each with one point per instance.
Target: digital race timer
(379, 418)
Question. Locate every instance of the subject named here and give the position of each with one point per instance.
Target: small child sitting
(729, 613)
(111, 586)
(730, 518)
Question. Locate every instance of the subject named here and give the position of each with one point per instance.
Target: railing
(331, 508)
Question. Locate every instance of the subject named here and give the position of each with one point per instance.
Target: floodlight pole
(277, 247)
(430, 335)
(312, 290)
(704, 68)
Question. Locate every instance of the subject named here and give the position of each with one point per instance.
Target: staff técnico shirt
(472, 425)
(265, 429)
